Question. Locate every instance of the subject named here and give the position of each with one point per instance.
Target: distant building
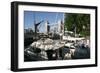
(29, 30)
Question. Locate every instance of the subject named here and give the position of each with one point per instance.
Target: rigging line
(56, 18)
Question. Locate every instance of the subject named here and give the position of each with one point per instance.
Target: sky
(51, 17)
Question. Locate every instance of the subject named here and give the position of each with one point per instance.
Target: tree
(79, 21)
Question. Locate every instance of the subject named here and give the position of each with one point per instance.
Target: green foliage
(79, 21)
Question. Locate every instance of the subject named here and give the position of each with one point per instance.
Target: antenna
(34, 18)
(56, 18)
